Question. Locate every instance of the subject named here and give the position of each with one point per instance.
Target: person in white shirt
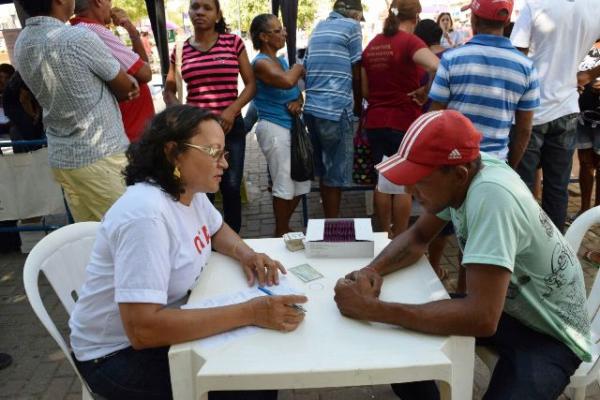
(150, 250)
(556, 34)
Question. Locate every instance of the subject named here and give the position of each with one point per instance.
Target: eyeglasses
(214, 152)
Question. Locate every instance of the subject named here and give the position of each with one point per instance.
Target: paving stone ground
(40, 371)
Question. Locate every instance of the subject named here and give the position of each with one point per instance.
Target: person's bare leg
(537, 187)
(281, 208)
(401, 206)
(382, 203)
(292, 204)
(436, 249)
(596, 159)
(586, 177)
(331, 197)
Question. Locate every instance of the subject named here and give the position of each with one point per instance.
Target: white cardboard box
(362, 246)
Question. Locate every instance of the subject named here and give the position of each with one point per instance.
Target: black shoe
(5, 360)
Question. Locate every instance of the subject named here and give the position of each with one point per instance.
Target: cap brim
(401, 171)
(465, 8)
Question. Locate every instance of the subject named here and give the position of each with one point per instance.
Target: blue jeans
(531, 366)
(551, 147)
(130, 374)
(235, 143)
(333, 148)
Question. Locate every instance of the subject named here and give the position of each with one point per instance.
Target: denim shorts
(333, 148)
(588, 137)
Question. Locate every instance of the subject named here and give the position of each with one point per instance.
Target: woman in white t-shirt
(150, 250)
(450, 37)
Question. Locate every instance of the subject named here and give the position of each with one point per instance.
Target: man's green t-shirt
(500, 223)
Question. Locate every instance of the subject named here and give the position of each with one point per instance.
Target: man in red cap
(525, 292)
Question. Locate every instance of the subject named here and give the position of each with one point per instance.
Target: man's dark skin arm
(436, 106)
(357, 89)
(520, 140)
(477, 314)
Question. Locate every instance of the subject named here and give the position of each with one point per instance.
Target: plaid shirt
(67, 69)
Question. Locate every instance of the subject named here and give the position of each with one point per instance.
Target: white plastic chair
(587, 372)
(62, 256)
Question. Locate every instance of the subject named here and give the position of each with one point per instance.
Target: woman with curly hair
(150, 250)
(211, 60)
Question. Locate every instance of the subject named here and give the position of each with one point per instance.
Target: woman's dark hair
(260, 24)
(400, 10)
(147, 159)
(221, 25)
(443, 15)
(429, 32)
(37, 7)
(7, 69)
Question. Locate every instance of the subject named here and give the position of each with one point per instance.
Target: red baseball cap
(495, 10)
(435, 139)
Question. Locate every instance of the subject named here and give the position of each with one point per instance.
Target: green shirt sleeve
(495, 223)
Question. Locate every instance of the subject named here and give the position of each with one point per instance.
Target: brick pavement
(39, 370)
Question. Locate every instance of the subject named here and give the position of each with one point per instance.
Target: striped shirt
(137, 112)
(487, 80)
(67, 69)
(336, 44)
(212, 76)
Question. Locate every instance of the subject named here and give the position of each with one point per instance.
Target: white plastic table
(327, 349)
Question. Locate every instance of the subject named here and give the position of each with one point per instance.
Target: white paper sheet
(284, 288)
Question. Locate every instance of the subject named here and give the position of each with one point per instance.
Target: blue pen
(266, 291)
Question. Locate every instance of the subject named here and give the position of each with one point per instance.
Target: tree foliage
(136, 9)
(243, 11)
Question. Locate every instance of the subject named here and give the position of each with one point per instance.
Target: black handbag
(302, 168)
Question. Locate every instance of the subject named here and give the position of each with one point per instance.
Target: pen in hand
(297, 307)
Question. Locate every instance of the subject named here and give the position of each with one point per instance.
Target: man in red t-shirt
(95, 16)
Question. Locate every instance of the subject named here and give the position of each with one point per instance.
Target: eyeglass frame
(215, 153)
(276, 31)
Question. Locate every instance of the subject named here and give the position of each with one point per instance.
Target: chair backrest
(63, 256)
(574, 236)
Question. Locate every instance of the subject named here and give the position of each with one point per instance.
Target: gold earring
(176, 173)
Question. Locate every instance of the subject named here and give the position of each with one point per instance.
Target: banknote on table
(306, 273)
(294, 241)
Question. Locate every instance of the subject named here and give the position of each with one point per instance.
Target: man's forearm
(138, 45)
(398, 254)
(520, 140)
(443, 317)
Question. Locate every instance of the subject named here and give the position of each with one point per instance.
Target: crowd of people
(461, 126)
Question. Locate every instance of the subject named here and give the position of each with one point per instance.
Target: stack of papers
(284, 288)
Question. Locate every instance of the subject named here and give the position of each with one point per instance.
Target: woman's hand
(260, 266)
(419, 96)
(276, 312)
(295, 107)
(227, 119)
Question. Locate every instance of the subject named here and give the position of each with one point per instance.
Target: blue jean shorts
(333, 149)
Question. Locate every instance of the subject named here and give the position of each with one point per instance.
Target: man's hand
(373, 276)
(120, 18)
(295, 107)
(419, 96)
(134, 92)
(260, 266)
(355, 299)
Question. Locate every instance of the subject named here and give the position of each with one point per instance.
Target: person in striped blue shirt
(490, 82)
(332, 96)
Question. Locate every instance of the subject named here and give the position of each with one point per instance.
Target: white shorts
(275, 143)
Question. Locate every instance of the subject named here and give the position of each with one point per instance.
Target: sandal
(592, 257)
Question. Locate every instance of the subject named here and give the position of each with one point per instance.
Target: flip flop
(589, 257)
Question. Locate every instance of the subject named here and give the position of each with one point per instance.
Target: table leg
(462, 355)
